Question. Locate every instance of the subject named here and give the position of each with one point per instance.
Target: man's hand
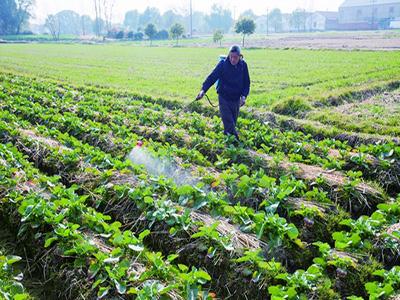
(200, 95)
(242, 101)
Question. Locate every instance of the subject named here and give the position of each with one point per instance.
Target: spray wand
(197, 99)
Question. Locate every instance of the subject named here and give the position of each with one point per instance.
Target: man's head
(234, 55)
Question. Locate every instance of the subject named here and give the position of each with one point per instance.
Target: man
(233, 88)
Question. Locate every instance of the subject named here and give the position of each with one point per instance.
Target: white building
(322, 21)
(368, 14)
(395, 24)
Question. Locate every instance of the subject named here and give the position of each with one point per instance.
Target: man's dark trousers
(229, 110)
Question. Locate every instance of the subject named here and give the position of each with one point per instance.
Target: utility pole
(191, 19)
(311, 11)
(373, 14)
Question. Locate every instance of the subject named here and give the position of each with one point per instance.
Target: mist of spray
(161, 167)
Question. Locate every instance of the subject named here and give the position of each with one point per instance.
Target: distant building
(368, 14)
(286, 22)
(261, 24)
(288, 26)
(322, 21)
(395, 24)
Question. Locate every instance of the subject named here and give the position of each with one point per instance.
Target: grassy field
(207, 39)
(177, 73)
(37, 37)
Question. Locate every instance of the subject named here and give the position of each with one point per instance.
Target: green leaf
(292, 232)
(103, 291)
(193, 292)
(121, 287)
(183, 268)
(173, 231)
(21, 297)
(380, 273)
(371, 287)
(184, 190)
(172, 257)
(12, 259)
(50, 241)
(291, 292)
(148, 200)
(144, 234)
(197, 234)
(261, 230)
(266, 182)
(203, 275)
(314, 270)
(274, 290)
(168, 288)
(388, 289)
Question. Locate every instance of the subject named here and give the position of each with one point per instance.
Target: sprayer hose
(209, 101)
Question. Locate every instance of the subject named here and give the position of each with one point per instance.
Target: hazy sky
(45, 7)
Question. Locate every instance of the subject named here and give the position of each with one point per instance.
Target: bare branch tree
(97, 10)
(108, 6)
(53, 25)
(103, 11)
(23, 12)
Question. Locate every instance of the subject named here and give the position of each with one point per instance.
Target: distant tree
(151, 32)
(245, 26)
(131, 20)
(97, 21)
(200, 22)
(86, 25)
(69, 22)
(103, 12)
(130, 35)
(14, 14)
(275, 19)
(248, 14)
(53, 25)
(112, 34)
(150, 15)
(162, 35)
(138, 36)
(219, 18)
(98, 26)
(177, 31)
(120, 35)
(8, 10)
(108, 7)
(218, 36)
(23, 13)
(169, 18)
(298, 19)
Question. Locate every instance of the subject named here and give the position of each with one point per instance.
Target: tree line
(14, 15)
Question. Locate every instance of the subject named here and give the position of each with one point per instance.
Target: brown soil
(50, 142)
(372, 40)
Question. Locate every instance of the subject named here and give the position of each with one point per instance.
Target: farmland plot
(280, 215)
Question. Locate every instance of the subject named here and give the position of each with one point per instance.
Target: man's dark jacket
(234, 81)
